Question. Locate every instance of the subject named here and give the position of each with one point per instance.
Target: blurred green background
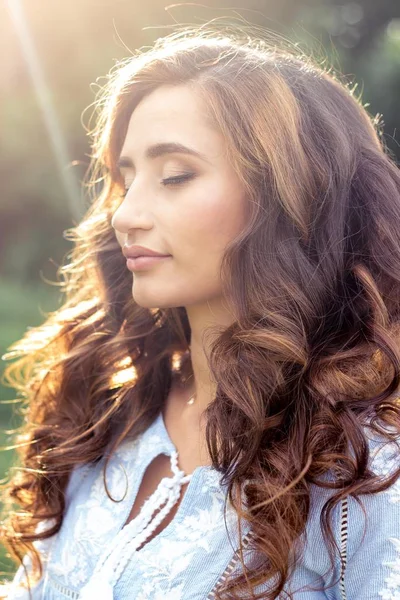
(52, 55)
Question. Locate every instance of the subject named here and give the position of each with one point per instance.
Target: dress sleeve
(373, 545)
(15, 591)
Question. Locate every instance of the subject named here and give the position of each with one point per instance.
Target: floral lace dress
(95, 555)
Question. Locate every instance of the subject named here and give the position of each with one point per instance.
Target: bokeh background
(54, 55)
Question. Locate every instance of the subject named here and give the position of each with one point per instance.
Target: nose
(131, 215)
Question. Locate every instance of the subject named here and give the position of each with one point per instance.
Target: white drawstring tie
(113, 561)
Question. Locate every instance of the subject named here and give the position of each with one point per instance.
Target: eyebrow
(160, 150)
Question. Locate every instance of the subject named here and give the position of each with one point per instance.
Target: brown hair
(314, 282)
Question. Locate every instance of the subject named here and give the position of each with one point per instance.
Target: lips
(135, 251)
(142, 263)
(147, 255)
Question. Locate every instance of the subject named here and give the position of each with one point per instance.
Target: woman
(213, 412)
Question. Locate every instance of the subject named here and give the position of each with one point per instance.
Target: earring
(191, 399)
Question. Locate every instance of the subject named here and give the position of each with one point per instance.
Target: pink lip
(135, 250)
(141, 263)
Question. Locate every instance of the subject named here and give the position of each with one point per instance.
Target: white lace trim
(113, 561)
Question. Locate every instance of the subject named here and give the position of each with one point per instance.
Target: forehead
(172, 114)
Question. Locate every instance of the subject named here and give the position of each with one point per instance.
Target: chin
(146, 301)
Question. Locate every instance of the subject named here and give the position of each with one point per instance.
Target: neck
(206, 322)
(186, 422)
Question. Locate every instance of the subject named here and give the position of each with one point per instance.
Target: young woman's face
(191, 220)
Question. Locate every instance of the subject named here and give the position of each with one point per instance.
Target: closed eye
(177, 179)
(170, 181)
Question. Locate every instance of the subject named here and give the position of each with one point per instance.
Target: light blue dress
(194, 553)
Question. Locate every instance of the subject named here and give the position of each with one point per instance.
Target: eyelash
(178, 180)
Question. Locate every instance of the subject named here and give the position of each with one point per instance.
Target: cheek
(215, 215)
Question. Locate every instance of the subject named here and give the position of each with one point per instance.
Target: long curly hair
(312, 356)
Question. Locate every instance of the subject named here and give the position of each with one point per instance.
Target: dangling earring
(191, 399)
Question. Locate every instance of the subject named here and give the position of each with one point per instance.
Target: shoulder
(372, 526)
(366, 530)
(378, 513)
